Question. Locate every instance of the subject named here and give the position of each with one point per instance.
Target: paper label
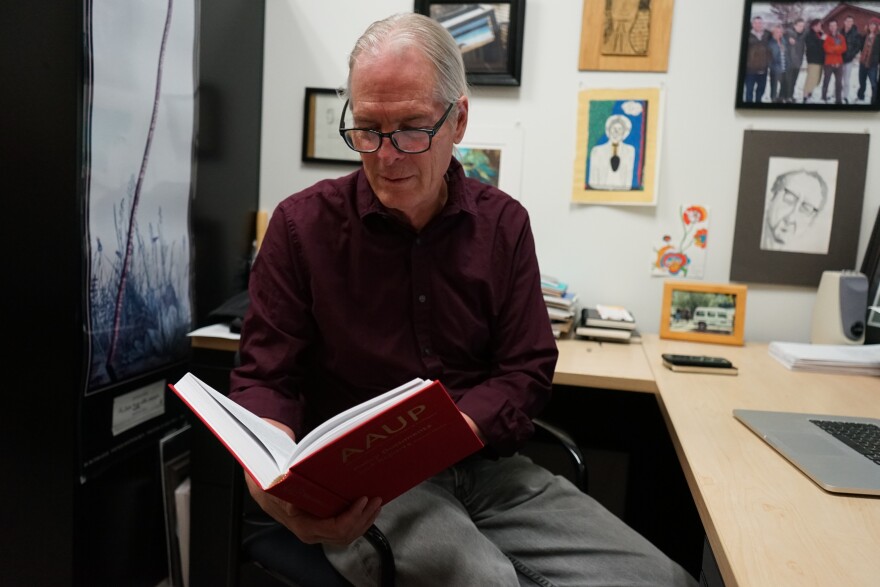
(138, 406)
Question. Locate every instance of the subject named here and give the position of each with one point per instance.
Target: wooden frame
(490, 36)
(703, 312)
(321, 141)
(807, 247)
(765, 87)
(647, 25)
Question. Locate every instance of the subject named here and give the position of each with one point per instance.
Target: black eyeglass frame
(428, 131)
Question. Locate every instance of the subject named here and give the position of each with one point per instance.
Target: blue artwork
(140, 129)
(616, 145)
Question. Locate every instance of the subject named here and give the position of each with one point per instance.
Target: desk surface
(767, 523)
(609, 365)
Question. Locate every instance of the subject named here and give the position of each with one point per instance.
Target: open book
(379, 448)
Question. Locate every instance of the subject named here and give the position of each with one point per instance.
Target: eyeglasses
(405, 140)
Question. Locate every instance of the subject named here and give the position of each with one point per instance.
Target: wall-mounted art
(617, 151)
(809, 56)
(321, 140)
(493, 156)
(703, 312)
(799, 207)
(625, 35)
(489, 34)
(140, 127)
(682, 251)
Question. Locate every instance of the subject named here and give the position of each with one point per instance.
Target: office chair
(277, 552)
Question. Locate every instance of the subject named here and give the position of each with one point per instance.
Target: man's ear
(461, 121)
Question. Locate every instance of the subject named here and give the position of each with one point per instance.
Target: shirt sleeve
(274, 342)
(524, 352)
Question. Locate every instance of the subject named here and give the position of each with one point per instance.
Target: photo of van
(717, 319)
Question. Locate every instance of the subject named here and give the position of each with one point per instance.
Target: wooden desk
(609, 365)
(767, 523)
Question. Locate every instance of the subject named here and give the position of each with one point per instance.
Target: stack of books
(561, 305)
(607, 323)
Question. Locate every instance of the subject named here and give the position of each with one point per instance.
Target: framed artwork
(140, 132)
(493, 156)
(799, 207)
(618, 142)
(489, 34)
(321, 141)
(703, 312)
(805, 55)
(871, 268)
(625, 35)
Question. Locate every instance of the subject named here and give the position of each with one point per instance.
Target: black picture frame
(871, 269)
(321, 142)
(492, 51)
(784, 87)
(764, 153)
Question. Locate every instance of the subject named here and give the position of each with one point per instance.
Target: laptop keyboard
(865, 438)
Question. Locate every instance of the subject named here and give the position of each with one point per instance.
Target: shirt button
(418, 241)
(422, 298)
(427, 351)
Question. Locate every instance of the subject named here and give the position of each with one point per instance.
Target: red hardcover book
(381, 447)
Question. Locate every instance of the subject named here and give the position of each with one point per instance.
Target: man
(757, 61)
(795, 201)
(869, 59)
(796, 38)
(406, 268)
(815, 54)
(835, 47)
(779, 64)
(853, 46)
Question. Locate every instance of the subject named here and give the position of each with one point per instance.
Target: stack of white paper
(828, 358)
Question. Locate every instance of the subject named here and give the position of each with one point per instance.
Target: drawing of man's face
(798, 198)
(617, 128)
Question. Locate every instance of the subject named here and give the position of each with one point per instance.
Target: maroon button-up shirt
(348, 302)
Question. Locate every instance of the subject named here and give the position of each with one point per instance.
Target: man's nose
(387, 151)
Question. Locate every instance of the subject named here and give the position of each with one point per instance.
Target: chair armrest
(547, 432)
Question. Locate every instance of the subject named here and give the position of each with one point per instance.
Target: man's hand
(474, 427)
(338, 530)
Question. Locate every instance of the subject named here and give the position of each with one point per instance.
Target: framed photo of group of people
(809, 55)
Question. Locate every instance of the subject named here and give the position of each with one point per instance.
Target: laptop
(821, 446)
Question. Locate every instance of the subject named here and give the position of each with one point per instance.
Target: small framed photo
(808, 56)
(703, 312)
(489, 34)
(321, 141)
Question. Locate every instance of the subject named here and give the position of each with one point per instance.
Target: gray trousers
(506, 522)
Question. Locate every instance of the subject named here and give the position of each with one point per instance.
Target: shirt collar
(460, 197)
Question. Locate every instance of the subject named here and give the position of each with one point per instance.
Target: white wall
(604, 252)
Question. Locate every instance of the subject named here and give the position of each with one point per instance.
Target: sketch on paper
(686, 255)
(616, 144)
(626, 27)
(799, 205)
(140, 127)
(617, 149)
